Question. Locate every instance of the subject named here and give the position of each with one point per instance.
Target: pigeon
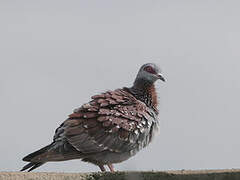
(109, 129)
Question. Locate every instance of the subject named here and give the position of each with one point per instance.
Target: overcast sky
(55, 54)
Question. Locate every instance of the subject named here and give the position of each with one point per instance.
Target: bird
(112, 127)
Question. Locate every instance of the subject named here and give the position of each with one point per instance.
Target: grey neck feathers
(144, 91)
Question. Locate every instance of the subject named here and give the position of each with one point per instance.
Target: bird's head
(150, 72)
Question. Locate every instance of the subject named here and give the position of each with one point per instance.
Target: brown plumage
(109, 129)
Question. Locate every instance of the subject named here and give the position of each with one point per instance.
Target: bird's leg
(110, 166)
(102, 168)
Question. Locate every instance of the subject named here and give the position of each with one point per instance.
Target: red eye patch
(150, 69)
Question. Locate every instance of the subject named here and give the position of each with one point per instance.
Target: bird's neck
(145, 91)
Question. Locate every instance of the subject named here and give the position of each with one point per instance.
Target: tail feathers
(32, 166)
(36, 153)
(52, 152)
(35, 159)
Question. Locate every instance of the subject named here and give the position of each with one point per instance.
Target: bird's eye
(150, 69)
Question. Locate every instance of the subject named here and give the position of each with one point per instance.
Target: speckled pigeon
(109, 129)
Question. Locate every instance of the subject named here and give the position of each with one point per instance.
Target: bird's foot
(102, 168)
(111, 168)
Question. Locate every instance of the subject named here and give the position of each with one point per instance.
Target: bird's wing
(114, 121)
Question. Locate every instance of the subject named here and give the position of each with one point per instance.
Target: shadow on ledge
(232, 174)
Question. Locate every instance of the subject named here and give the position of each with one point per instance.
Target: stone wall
(232, 174)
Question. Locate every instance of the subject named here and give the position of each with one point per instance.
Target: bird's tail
(31, 166)
(35, 159)
(52, 152)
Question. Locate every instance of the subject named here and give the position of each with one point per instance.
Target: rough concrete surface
(231, 174)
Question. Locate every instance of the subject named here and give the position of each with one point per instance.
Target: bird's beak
(161, 77)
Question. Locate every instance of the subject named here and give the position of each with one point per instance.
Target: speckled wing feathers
(114, 121)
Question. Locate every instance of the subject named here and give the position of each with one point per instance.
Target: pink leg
(110, 166)
(102, 168)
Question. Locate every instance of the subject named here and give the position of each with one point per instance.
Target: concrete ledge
(233, 174)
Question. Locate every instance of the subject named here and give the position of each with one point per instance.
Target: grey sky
(55, 54)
